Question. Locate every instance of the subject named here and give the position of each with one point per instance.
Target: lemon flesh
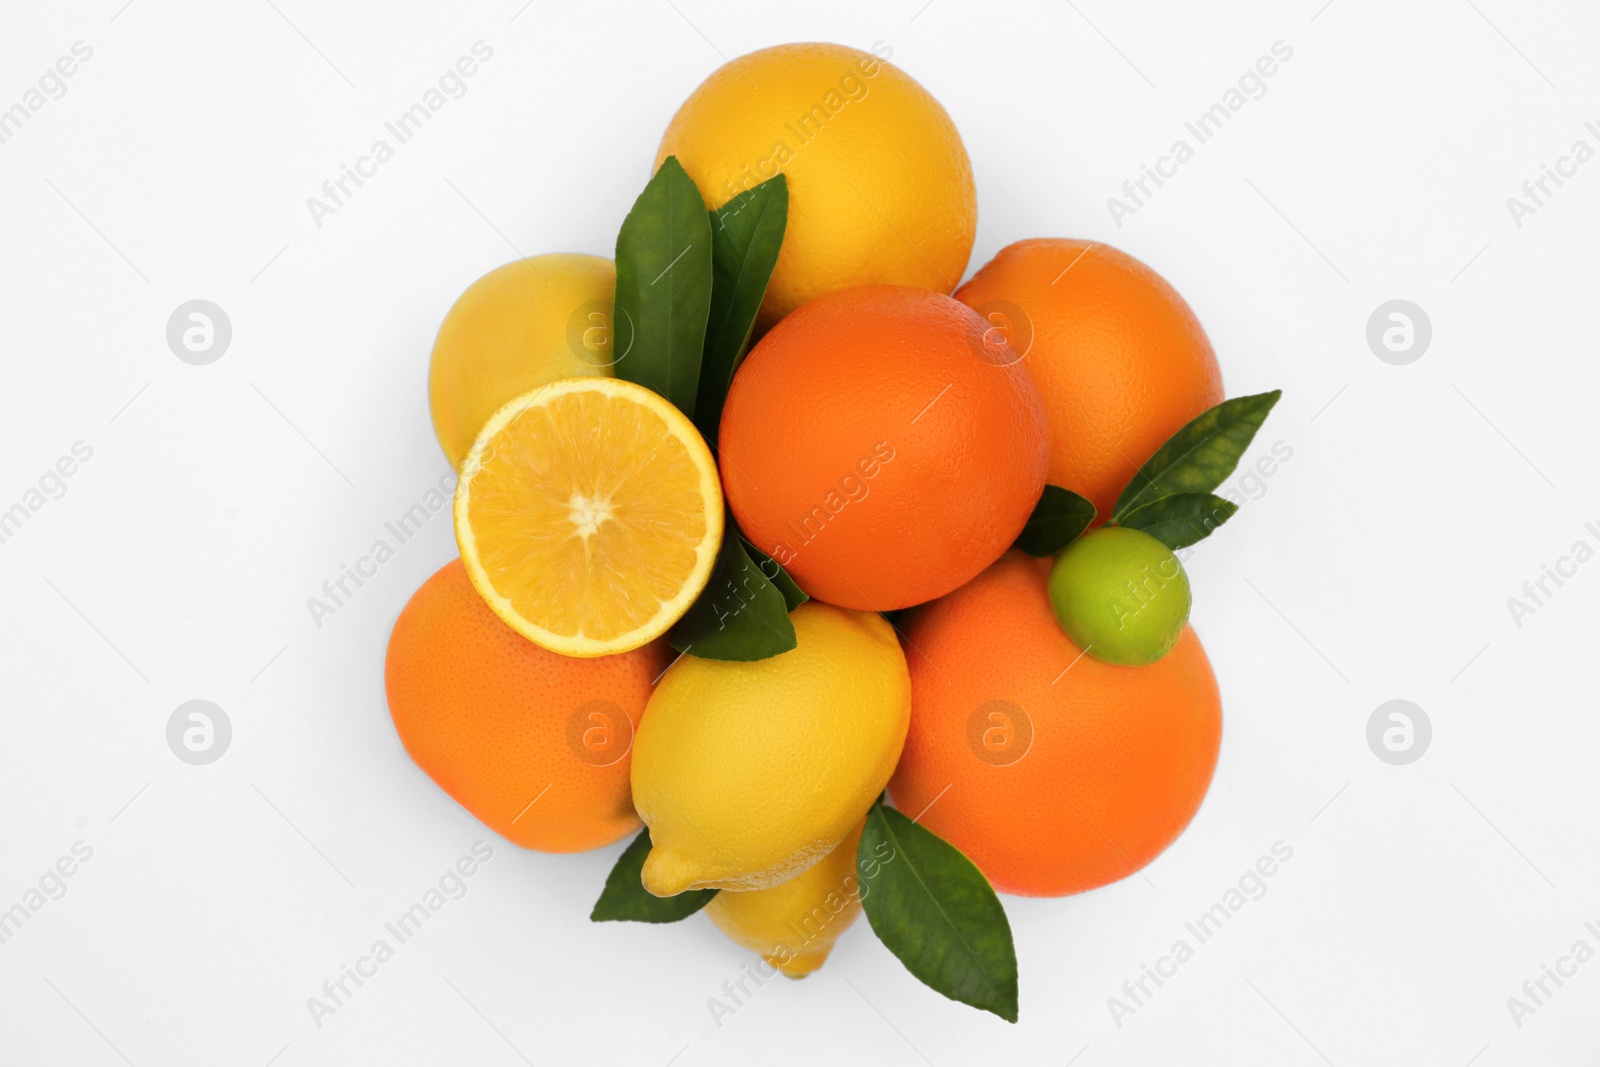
(589, 515)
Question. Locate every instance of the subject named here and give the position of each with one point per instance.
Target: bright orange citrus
(1121, 360)
(871, 448)
(588, 515)
(1052, 771)
(534, 744)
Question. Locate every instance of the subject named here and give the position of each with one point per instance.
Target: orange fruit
(880, 187)
(588, 515)
(1052, 771)
(869, 447)
(1121, 360)
(535, 745)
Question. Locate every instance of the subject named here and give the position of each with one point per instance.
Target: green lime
(1121, 595)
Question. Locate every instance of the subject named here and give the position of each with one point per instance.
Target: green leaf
(625, 898)
(1181, 519)
(793, 595)
(935, 911)
(1198, 457)
(746, 234)
(1057, 520)
(740, 616)
(664, 287)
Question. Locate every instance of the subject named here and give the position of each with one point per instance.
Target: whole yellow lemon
(794, 924)
(748, 773)
(518, 327)
(880, 187)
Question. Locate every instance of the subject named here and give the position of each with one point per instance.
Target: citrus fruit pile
(858, 589)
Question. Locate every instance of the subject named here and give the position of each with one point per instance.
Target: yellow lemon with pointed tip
(794, 925)
(518, 327)
(747, 773)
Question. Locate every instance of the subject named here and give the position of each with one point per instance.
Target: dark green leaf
(664, 287)
(1181, 519)
(793, 595)
(935, 911)
(741, 615)
(1057, 520)
(1198, 457)
(625, 898)
(746, 234)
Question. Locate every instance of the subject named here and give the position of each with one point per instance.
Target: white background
(218, 499)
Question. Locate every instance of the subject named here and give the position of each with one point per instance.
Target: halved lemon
(589, 515)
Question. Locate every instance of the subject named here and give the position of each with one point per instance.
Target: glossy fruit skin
(1064, 773)
(880, 187)
(494, 719)
(747, 773)
(794, 925)
(869, 447)
(521, 325)
(1120, 358)
(1121, 595)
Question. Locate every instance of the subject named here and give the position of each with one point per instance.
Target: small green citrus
(1121, 595)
